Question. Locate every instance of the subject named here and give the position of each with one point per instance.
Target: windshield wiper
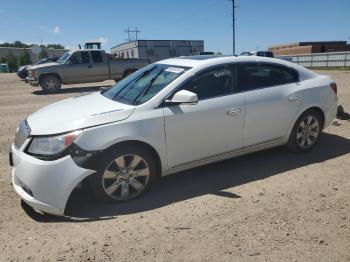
(145, 73)
(147, 87)
(134, 81)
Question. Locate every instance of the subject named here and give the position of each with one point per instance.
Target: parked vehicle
(82, 66)
(169, 116)
(258, 53)
(22, 71)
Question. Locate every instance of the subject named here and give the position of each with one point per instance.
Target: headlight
(52, 145)
(31, 73)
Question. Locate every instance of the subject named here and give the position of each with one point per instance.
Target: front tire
(50, 84)
(126, 173)
(306, 132)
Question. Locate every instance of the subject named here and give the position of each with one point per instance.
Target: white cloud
(56, 30)
(2, 41)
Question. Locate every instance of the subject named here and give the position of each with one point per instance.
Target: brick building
(309, 47)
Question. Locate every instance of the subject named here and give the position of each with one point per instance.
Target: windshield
(63, 58)
(41, 61)
(144, 84)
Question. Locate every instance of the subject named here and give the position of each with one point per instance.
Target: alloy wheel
(126, 177)
(308, 131)
(51, 84)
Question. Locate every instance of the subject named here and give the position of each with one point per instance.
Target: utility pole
(233, 28)
(132, 34)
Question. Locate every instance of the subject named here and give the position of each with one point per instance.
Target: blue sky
(259, 24)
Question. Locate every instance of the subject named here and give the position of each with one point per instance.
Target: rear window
(254, 75)
(96, 57)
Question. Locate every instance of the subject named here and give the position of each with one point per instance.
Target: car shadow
(71, 90)
(211, 179)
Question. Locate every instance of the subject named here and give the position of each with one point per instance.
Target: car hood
(23, 67)
(34, 67)
(77, 113)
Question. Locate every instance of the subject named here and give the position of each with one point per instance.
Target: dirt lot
(268, 206)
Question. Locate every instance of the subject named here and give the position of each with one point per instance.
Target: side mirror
(105, 88)
(68, 62)
(183, 97)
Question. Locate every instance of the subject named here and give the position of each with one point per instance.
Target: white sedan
(169, 116)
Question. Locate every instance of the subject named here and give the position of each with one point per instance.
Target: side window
(80, 58)
(253, 76)
(85, 57)
(212, 83)
(96, 57)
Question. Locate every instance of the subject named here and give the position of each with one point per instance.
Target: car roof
(195, 61)
(200, 62)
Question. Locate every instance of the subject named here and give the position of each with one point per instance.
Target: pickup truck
(81, 66)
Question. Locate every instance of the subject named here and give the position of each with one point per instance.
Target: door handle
(293, 98)
(90, 66)
(234, 112)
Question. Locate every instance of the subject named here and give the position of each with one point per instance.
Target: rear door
(273, 96)
(78, 68)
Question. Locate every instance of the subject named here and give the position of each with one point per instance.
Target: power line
(132, 34)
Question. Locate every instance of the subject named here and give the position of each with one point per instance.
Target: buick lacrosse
(169, 116)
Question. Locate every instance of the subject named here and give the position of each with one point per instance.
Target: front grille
(22, 134)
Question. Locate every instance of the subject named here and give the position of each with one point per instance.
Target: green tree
(12, 61)
(42, 54)
(55, 46)
(15, 44)
(19, 44)
(24, 59)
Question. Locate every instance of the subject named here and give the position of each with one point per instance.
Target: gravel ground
(268, 206)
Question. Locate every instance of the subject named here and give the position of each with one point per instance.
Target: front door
(213, 126)
(78, 68)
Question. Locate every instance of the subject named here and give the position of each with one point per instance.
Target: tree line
(19, 44)
(14, 61)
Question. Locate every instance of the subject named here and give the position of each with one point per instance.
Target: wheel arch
(41, 76)
(316, 108)
(138, 143)
(96, 161)
(319, 111)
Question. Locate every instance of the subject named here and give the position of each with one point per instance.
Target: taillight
(334, 87)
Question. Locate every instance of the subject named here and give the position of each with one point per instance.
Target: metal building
(156, 50)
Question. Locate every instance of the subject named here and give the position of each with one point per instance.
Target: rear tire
(50, 84)
(306, 132)
(126, 173)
